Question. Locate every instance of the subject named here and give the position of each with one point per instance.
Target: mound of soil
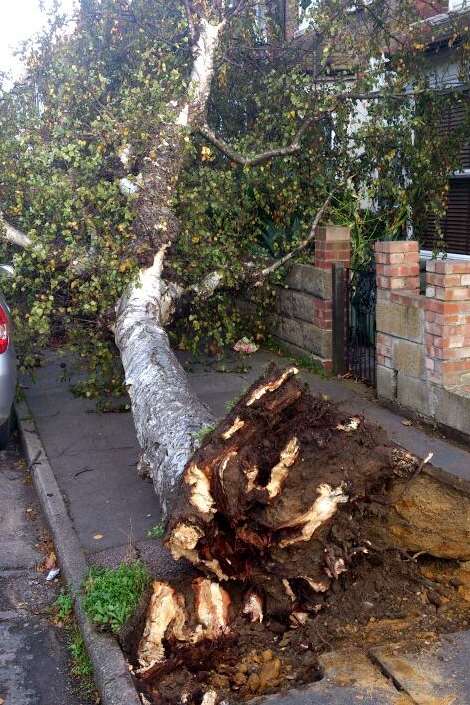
(283, 509)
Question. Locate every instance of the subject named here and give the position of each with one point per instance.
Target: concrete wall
(423, 341)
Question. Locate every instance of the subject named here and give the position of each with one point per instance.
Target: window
(456, 223)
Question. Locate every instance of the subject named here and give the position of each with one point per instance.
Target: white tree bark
(167, 413)
(13, 235)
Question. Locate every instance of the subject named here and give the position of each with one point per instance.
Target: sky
(20, 19)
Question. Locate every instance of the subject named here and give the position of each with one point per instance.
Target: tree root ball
(280, 494)
(290, 508)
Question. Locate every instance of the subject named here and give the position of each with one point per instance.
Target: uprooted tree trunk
(283, 497)
(167, 415)
(166, 412)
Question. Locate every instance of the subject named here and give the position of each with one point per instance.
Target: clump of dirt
(387, 597)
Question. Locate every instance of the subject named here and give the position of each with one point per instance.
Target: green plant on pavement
(81, 666)
(63, 606)
(203, 432)
(111, 595)
(157, 531)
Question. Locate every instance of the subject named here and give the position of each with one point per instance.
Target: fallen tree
(137, 102)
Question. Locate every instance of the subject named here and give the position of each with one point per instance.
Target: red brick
(443, 279)
(434, 328)
(448, 307)
(394, 283)
(451, 293)
(395, 246)
(456, 366)
(448, 266)
(407, 297)
(461, 293)
(398, 270)
(457, 354)
(333, 233)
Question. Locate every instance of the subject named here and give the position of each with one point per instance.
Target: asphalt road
(34, 667)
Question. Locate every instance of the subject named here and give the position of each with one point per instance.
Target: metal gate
(354, 329)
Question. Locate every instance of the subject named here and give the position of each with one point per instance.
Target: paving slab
(349, 678)
(436, 674)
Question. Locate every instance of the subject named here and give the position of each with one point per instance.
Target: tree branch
(189, 17)
(255, 159)
(13, 235)
(300, 247)
(295, 145)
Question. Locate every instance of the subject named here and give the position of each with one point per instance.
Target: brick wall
(423, 341)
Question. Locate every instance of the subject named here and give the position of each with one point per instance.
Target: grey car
(7, 361)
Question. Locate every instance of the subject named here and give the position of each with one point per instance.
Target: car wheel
(5, 431)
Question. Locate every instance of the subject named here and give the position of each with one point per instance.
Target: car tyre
(5, 431)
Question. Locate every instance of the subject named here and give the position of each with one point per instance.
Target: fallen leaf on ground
(50, 562)
(97, 537)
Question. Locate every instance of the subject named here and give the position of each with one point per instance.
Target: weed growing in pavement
(80, 663)
(203, 433)
(63, 606)
(157, 531)
(82, 668)
(111, 595)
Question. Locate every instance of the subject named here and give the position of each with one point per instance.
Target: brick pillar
(397, 270)
(397, 265)
(447, 322)
(332, 244)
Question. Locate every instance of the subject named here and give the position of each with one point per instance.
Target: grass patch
(81, 666)
(157, 531)
(111, 596)
(63, 606)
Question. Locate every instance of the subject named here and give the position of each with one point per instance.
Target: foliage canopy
(98, 86)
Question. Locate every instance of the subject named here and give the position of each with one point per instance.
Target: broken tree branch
(311, 236)
(255, 159)
(13, 235)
